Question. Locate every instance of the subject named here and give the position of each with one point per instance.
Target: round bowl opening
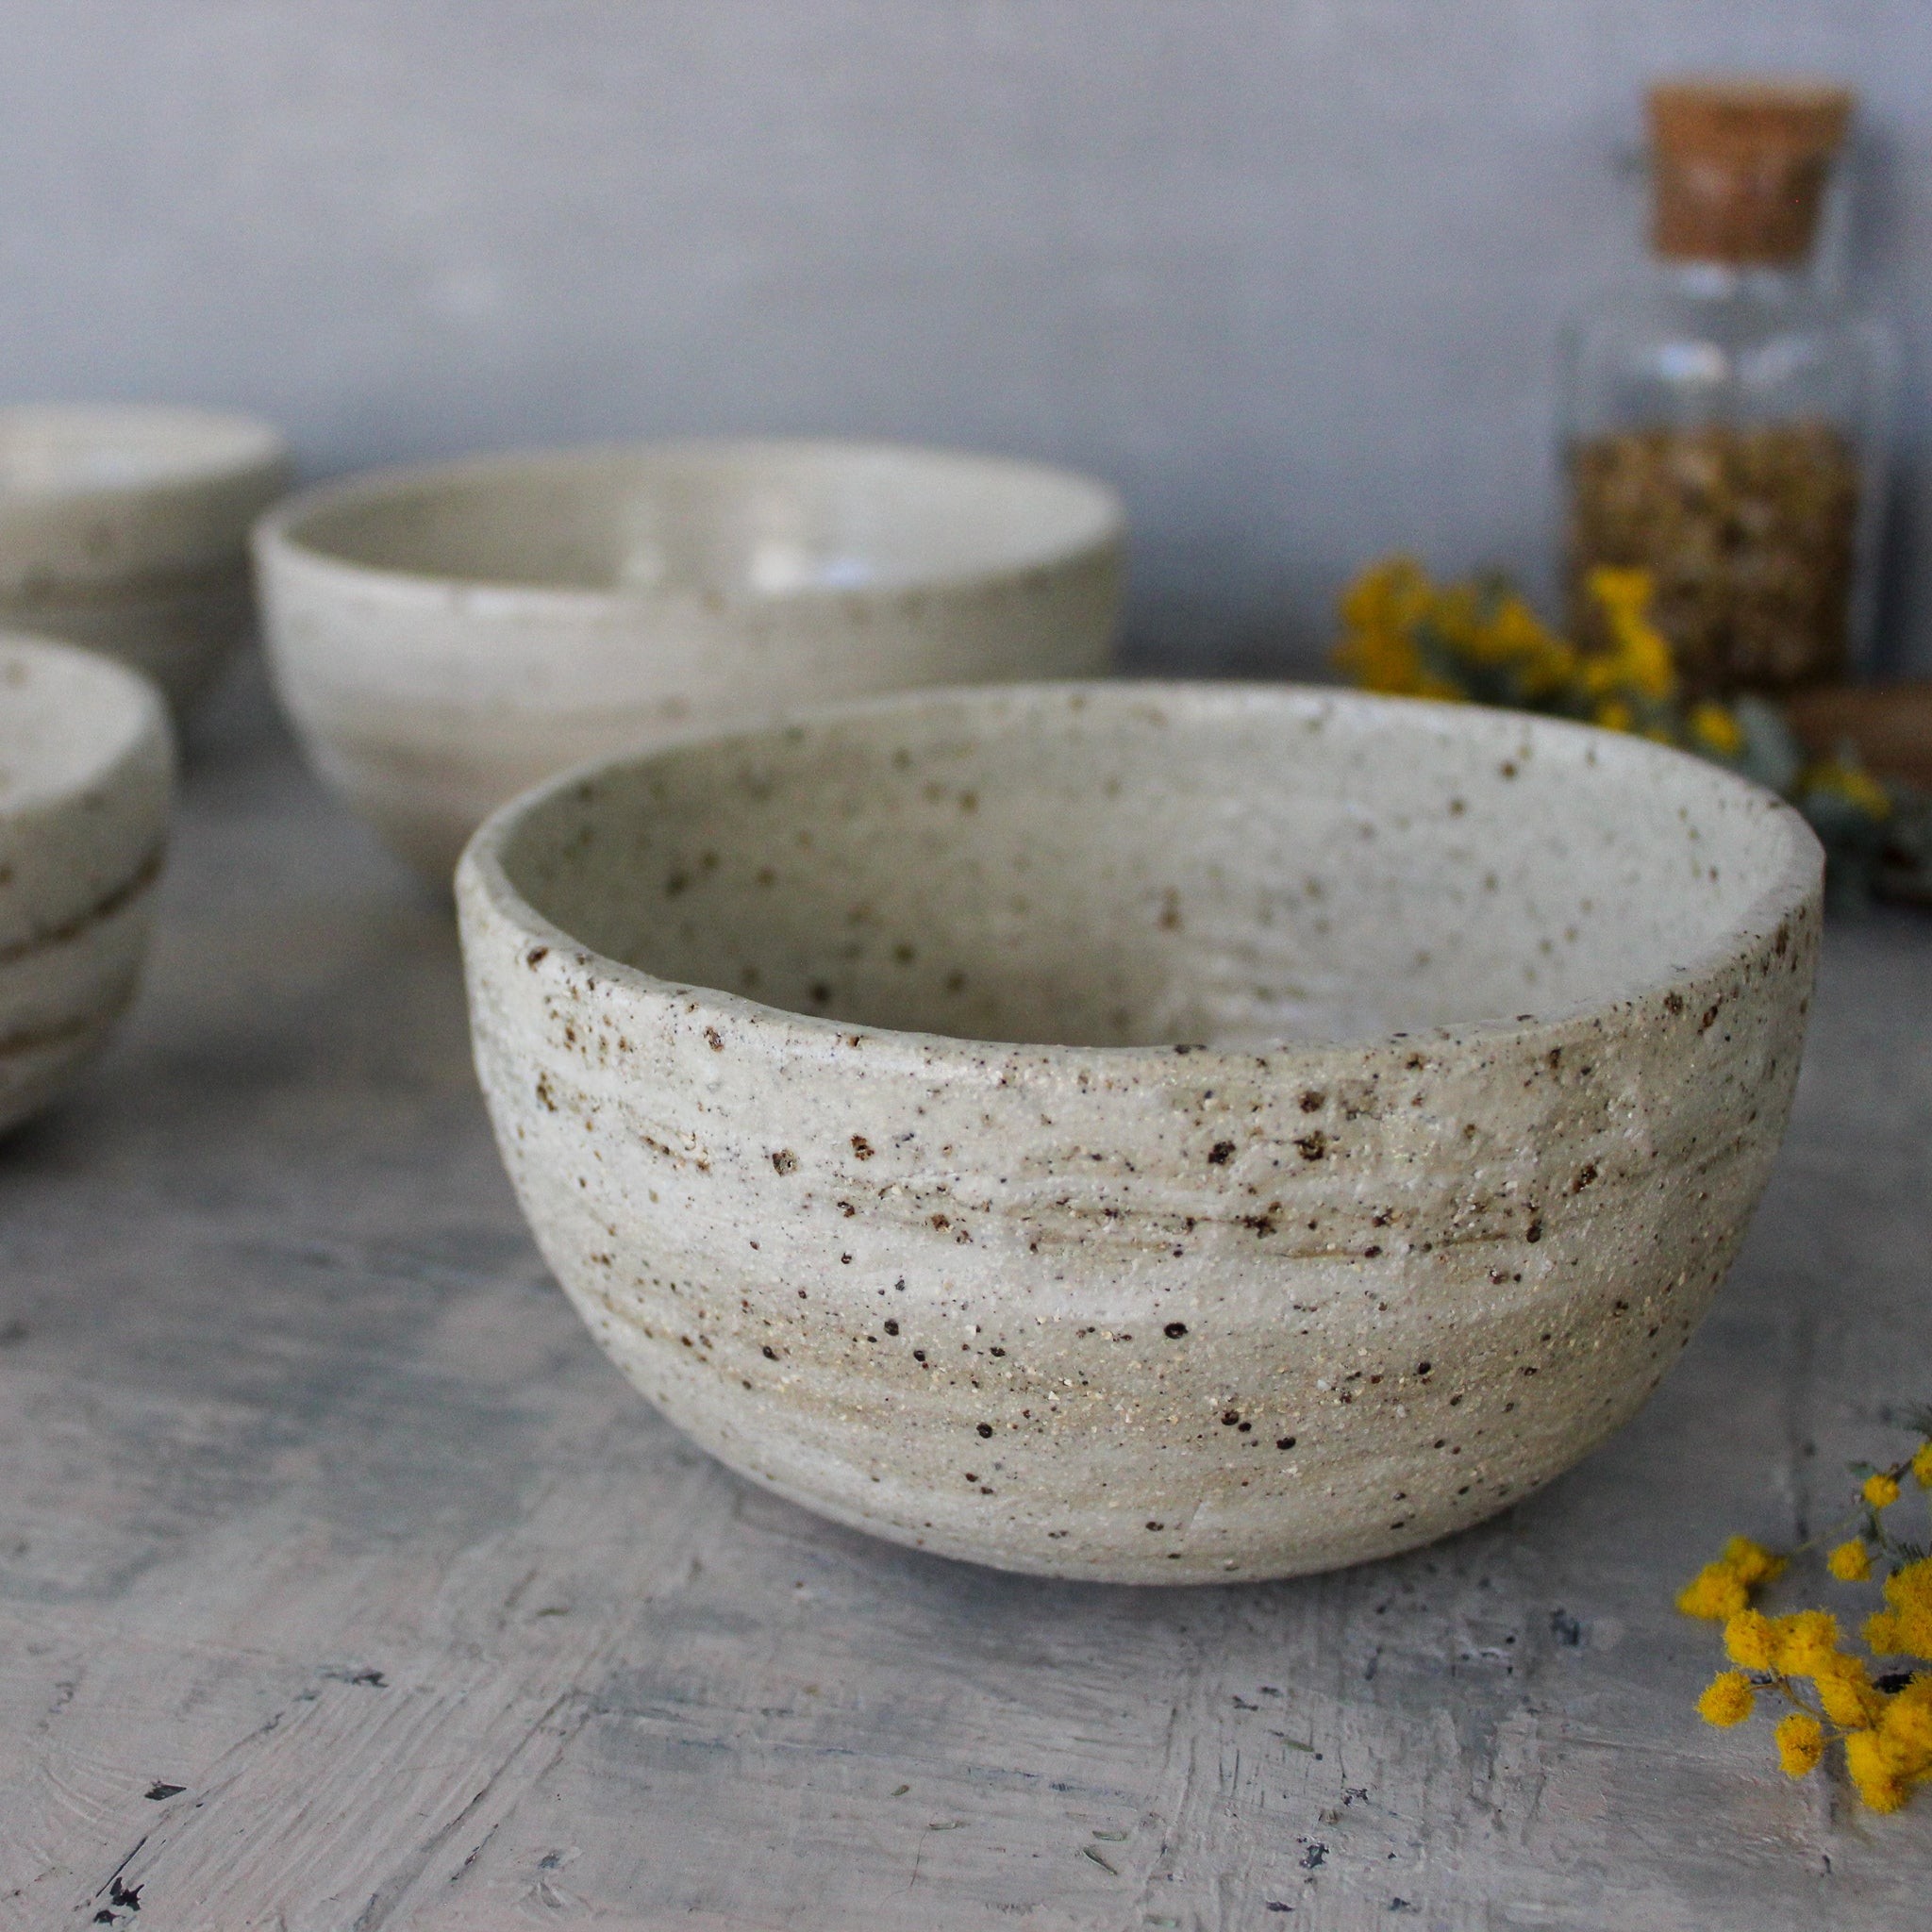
(58, 450)
(721, 521)
(1129, 866)
(66, 717)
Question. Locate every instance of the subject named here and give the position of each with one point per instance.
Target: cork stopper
(1740, 167)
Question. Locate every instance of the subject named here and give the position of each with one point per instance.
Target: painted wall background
(1289, 271)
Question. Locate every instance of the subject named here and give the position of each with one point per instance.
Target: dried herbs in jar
(1749, 533)
(1724, 419)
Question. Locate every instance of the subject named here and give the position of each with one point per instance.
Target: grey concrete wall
(1288, 271)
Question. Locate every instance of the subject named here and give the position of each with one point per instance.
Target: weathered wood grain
(342, 1584)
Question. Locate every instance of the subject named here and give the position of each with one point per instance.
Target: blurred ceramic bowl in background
(1156, 1133)
(125, 528)
(445, 637)
(86, 774)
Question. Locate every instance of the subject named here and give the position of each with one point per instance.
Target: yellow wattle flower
(1644, 660)
(1856, 785)
(1847, 1695)
(1717, 731)
(1807, 1642)
(1882, 1634)
(1640, 658)
(1800, 1744)
(1714, 1593)
(1382, 662)
(1380, 611)
(1390, 595)
(1851, 1562)
(1874, 1770)
(1886, 1732)
(1619, 592)
(1751, 1640)
(1908, 1625)
(1906, 1722)
(1456, 617)
(1910, 1588)
(1727, 1701)
(1721, 1590)
(1753, 1564)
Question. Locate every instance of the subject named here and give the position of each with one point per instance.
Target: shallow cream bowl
(1147, 1132)
(445, 637)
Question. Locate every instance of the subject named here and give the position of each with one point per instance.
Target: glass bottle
(1725, 422)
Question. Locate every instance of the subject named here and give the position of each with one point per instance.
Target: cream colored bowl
(86, 774)
(125, 528)
(1150, 1132)
(443, 638)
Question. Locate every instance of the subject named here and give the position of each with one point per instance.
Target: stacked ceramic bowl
(86, 771)
(443, 638)
(125, 529)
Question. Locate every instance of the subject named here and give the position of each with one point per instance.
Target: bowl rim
(279, 538)
(480, 872)
(233, 447)
(145, 717)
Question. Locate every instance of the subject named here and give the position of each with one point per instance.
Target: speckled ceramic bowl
(86, 772)
(443, 638)
(1388, 1088)
(125, 528)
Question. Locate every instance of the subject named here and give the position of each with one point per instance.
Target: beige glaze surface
(125, 529)
(1392, 1086)
(443, 638)
(86, 772)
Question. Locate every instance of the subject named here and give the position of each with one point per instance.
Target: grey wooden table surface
(342, 1584)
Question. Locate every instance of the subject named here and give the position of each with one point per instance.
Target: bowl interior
(56, 449)
(66, 716)
(1120, 865)
(726, 519)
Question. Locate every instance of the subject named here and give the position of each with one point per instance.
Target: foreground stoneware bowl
(444, 638)
(86, 772)
(1381, 1092)
(125, 529)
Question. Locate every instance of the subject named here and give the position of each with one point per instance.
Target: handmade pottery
(125, 528)
(1149, 1132)
(86, 772)
(443, 638)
